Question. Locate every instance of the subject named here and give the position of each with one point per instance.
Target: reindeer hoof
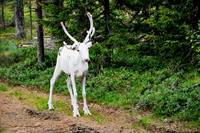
(51, 107)
(86, 111)
(76, 113)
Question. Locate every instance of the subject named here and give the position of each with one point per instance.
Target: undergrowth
(156, 87)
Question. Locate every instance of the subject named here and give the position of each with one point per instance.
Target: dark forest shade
(59, 3)
(106, 16)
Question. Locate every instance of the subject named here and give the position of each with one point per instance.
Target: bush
(172, 98)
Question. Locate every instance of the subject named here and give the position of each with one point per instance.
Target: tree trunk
(59, 3)
(30, 13)
(195, 14)
(40, 36)
(106, 16)
(2, 14)
(19, 19)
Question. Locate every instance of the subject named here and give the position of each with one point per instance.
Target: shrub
(181, 101)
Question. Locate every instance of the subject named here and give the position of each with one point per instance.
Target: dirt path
(18, 115)
(23, 110)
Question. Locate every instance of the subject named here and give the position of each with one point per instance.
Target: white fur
(73, 60)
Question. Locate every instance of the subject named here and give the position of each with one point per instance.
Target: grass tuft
(3, 87)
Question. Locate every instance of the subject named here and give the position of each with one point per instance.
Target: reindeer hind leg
(69, 86)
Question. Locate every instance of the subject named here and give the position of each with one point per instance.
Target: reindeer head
(82, 48)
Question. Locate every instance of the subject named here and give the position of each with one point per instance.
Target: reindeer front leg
(75, 105)
(56, 74)
(85, 106)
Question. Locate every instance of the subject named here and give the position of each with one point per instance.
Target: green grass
(40, 102)
(2, 130)
(3, 88)
(165, 92)
(145, 122)
(192, 124)
(7, 33)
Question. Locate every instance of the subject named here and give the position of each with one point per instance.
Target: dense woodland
(145, 54)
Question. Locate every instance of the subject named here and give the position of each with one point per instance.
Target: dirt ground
(19, 117)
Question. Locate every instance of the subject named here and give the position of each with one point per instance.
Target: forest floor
(24, 109)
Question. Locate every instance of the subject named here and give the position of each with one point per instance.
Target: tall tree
(107, 16)
(2, 14)
(19, 19)
(40, 35)
(30, 13)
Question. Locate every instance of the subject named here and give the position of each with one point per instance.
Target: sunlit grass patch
(192, 124)
(193, 78)
(145, 121)
(2, 130)
(61, 105)
(7, 33)
(96, 116)
(3, 87)
(40, 102)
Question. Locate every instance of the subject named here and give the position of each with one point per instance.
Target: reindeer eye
(78, 50)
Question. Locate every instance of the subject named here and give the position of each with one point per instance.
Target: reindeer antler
(67, 33)
(91, 31)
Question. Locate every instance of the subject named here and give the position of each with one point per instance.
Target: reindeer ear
(89, 44)
(75, 46)
(64, 43)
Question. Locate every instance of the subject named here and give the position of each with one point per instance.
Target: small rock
(15, 128)
(13, 125)
(21, 131)
(167, 121)
(37, 124)
(121, 129)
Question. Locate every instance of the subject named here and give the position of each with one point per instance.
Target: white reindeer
(73, 60)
